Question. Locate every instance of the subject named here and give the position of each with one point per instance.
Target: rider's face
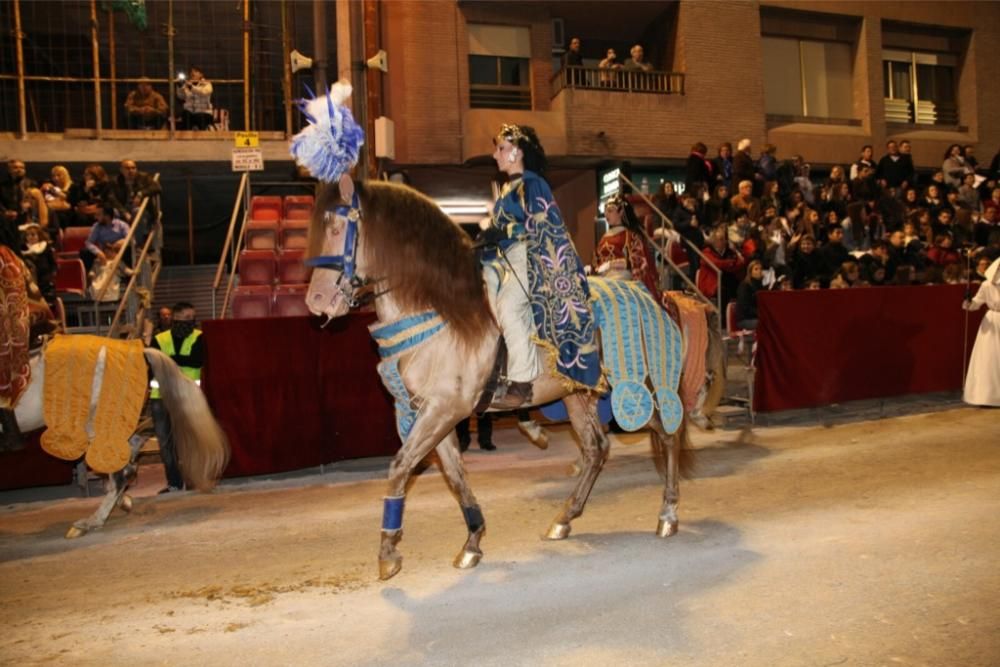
(508, 158)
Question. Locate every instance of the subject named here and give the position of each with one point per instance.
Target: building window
(807, 78)
(499, 67)
(919, 87)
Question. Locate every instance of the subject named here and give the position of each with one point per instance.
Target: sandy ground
(872, 543)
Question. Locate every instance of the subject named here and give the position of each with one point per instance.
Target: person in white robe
(982, 383)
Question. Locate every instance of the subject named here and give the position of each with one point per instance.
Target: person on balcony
(573, 58)
(196, 91)
(610, 63)
(637, 61)
(146, 108)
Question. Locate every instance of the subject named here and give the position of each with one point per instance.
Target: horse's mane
(423, 257)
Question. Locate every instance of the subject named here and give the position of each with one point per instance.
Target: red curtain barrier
(292, 395)
(816, 347)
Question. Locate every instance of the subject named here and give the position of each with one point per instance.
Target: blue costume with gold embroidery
(557, 285)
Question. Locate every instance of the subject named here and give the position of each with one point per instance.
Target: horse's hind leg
(670, 449)
(594, 446)
(454, 473)
(118, 483)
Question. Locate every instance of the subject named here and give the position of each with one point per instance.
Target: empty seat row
(276, 222)
(266, 267)
(265, 301)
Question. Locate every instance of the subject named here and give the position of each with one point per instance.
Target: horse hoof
(558, 531)
(125, 503)
(75, 532)
(666, 528)
(467, 559)
(387, 569)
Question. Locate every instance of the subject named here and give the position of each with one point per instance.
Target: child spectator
(746, 295)
(942, 254)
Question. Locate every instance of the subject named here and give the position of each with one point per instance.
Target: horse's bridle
(349, 283)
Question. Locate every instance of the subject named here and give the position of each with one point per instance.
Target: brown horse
(423, 271)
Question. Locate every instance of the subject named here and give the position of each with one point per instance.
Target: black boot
(12, 440)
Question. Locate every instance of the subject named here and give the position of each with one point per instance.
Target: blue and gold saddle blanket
(641, 348)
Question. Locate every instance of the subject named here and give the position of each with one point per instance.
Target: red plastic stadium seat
(262, 223)
(290, 300)
(265, 207)
(291, 270)
(71, 277)
(257, 267)
(298, 207)
(73, 240)
(252, 301)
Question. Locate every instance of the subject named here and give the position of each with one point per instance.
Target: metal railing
(127, 298)
(664, 255)
(618, 80)
(232, 250)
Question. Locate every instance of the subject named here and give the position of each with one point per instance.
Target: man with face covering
(182, 343)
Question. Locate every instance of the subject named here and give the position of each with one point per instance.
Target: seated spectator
(746, 295)
(989, 221)
(637, 61)
(196, 91)
(945, 222)
(12, 192)
(993, 201)
(718, 208)
(62, 195)
(867, 155)
(106, 239)
(40, 258)
(146, 108)
(979, 274)
(880, 256)
(744, 203)
(804, 262)
(891, 209)
(848, 275)
(723, 255)
(911, 201)
(968, 195)
(941, 253)
(833, 252)
(955, 167)
(34, 210)
(609, 64)
(666, 198)
(97, 194)
(131, 187)
(952, 274)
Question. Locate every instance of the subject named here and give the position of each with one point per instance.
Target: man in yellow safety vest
(182, 343)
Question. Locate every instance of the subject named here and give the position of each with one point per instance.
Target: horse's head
(336, 277)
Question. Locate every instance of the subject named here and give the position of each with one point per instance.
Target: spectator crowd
(768, 224)
(38, 213)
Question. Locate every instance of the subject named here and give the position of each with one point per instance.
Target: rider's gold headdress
(509, 132)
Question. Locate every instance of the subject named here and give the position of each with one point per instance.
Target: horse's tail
(202, 447)
(685, 455)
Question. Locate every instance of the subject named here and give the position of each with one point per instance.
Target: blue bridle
(345, 263)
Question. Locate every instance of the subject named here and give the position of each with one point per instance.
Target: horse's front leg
(594, 446)
(454, 472)
(434, 421)
(118, 484)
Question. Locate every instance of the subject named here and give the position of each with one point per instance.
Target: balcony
(618, 80)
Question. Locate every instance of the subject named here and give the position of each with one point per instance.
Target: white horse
(202, 447)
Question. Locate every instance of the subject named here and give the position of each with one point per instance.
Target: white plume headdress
(330, 145)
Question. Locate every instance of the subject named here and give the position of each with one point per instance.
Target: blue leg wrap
(392, 513)
(473, 518)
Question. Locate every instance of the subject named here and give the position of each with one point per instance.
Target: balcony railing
(618, 80)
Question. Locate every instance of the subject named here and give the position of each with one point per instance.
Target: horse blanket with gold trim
(15, 369)
(642, 348)
(70, 391)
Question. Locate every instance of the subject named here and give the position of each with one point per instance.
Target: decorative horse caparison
(416, 260)
(202, 447)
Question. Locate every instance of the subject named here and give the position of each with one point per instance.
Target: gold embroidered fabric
(70, 362)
